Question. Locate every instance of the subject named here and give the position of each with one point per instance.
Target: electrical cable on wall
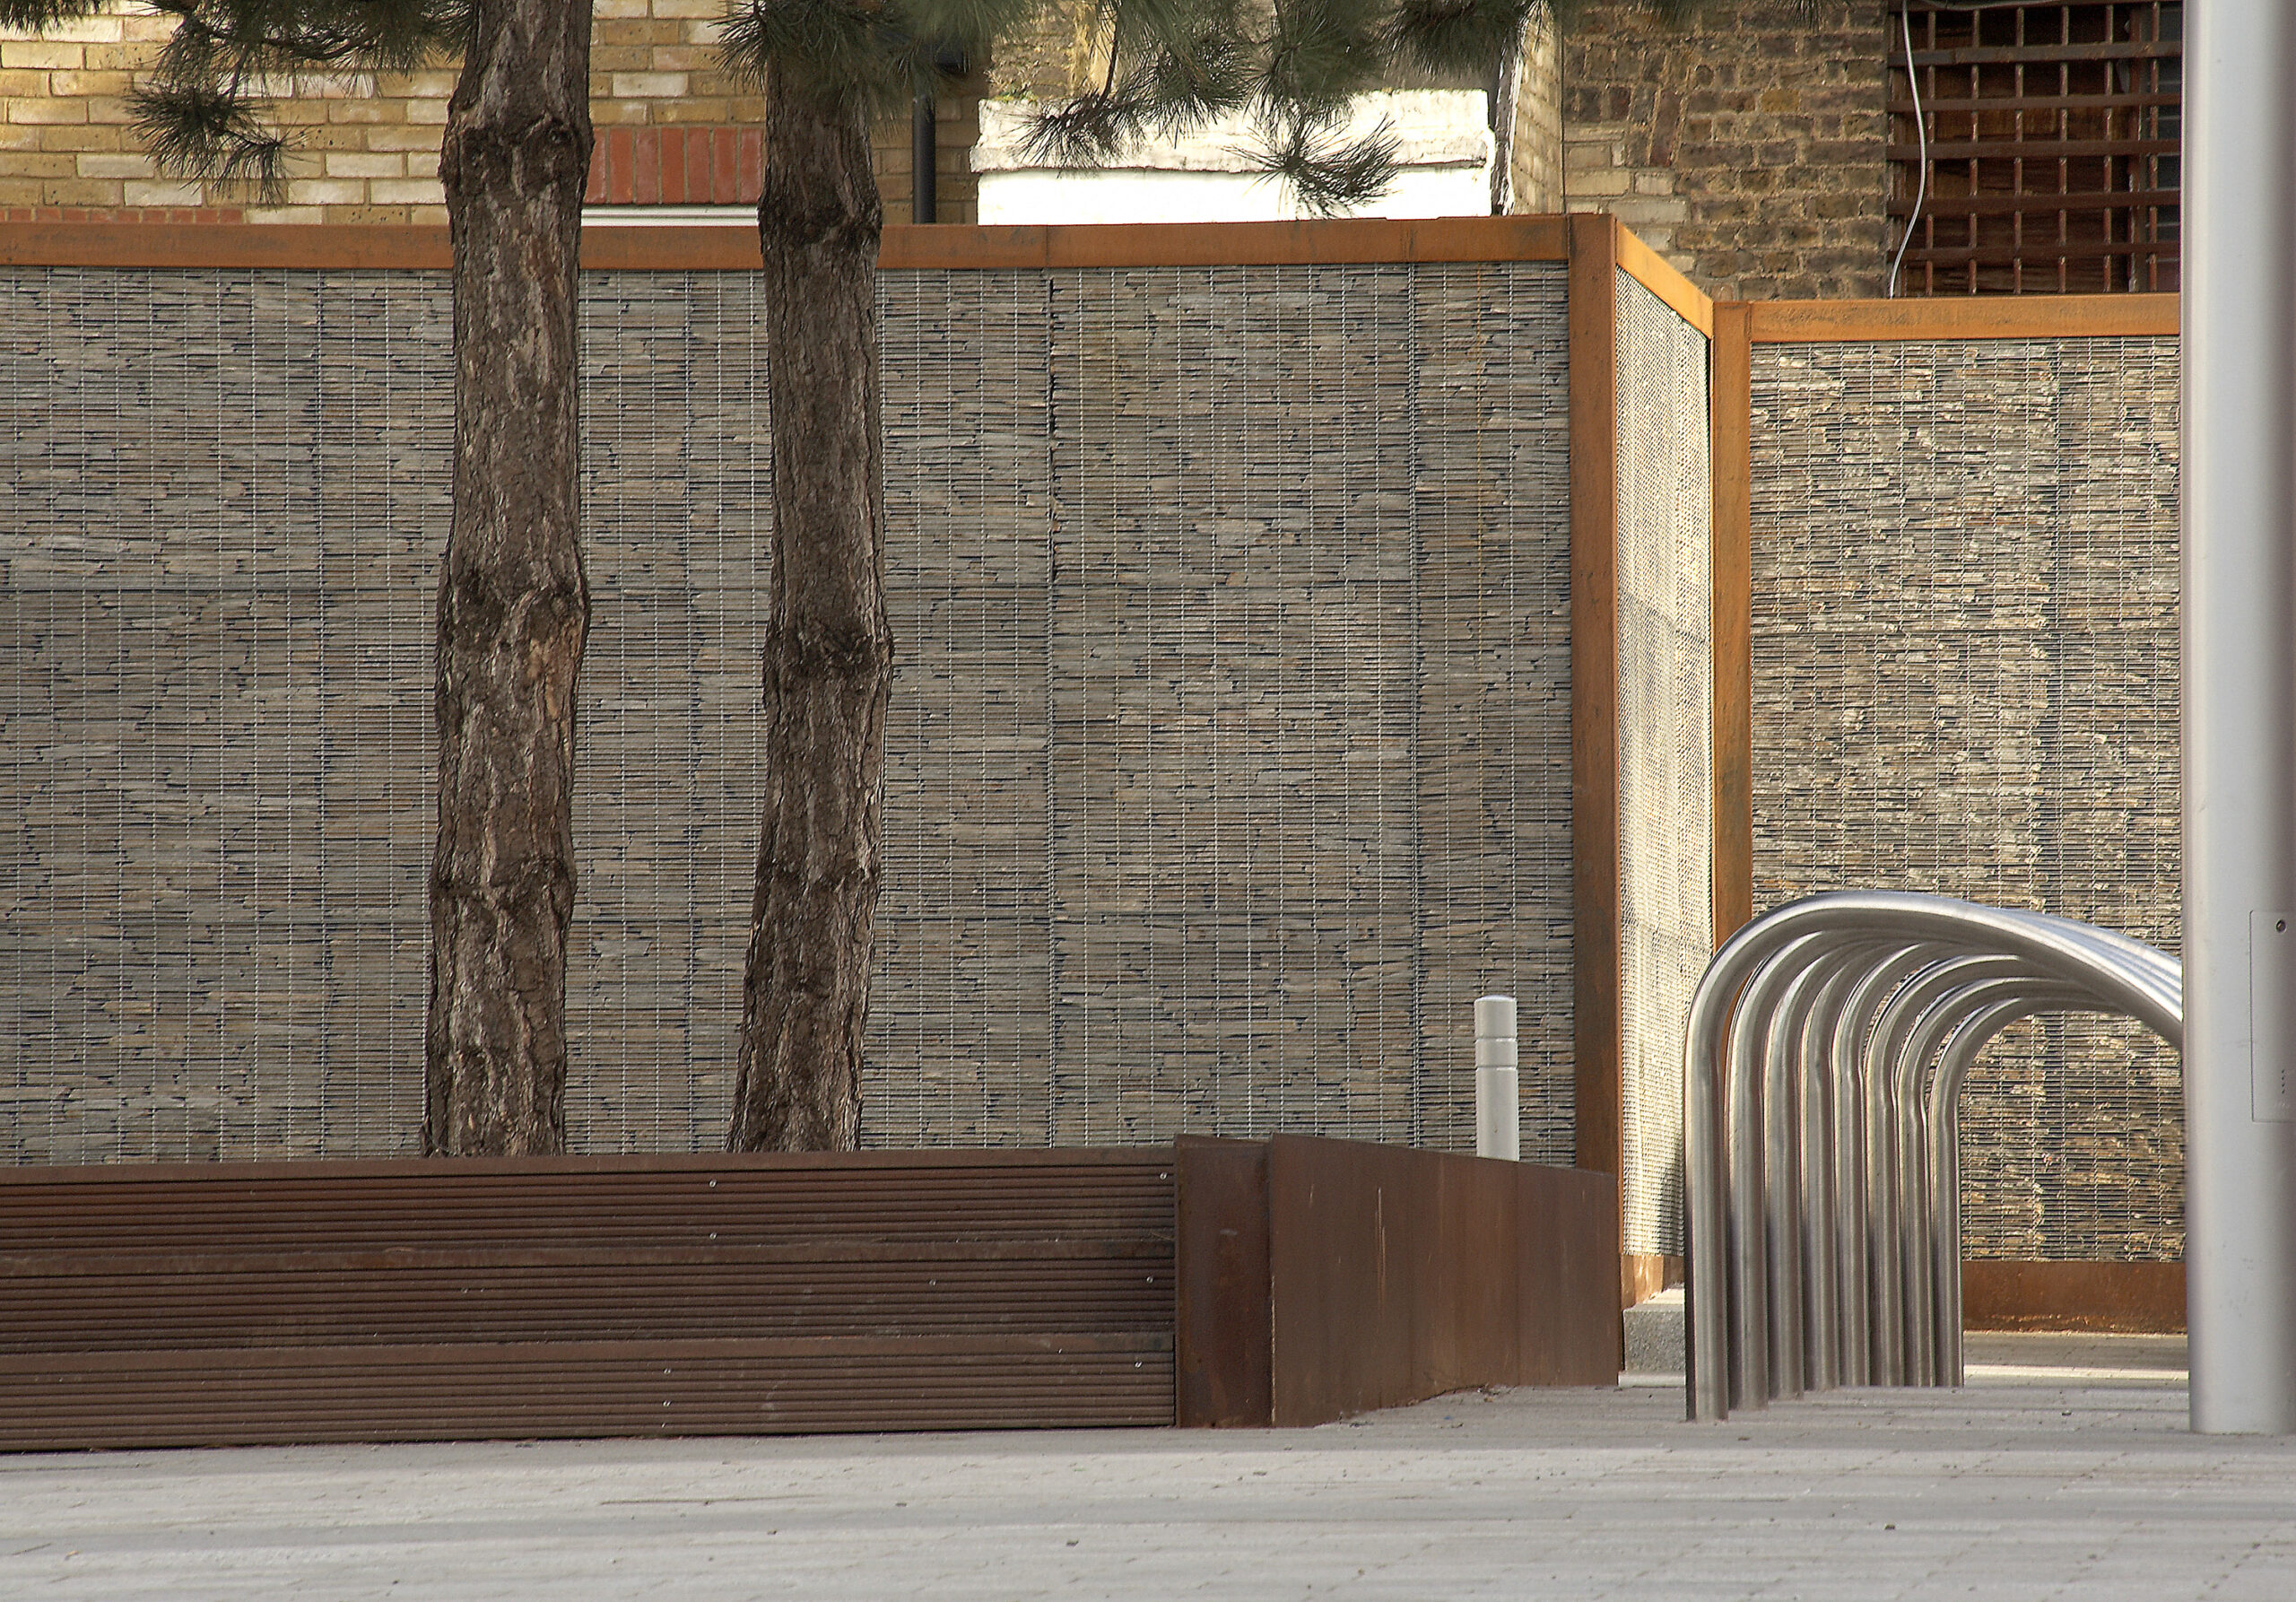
(1921, 137)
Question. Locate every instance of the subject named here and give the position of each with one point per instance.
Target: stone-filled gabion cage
(1231, 754)
(1302, 631)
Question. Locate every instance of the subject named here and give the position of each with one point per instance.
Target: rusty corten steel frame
(203, 1304)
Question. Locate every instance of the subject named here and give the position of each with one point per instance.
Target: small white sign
(2271, 1017)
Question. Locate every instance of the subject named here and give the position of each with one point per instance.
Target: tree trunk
(513, 605)
(828, 648)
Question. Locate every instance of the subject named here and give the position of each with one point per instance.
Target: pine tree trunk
(513, 605)
(828, 648)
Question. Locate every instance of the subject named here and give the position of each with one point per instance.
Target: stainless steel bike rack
(1826, 1049)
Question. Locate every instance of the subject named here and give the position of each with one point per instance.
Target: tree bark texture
(828, 646)
(513, 603)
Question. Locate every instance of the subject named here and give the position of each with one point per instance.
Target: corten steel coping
(946, 246)
(1961, 317)
(1599, 249)
(1597, 1019)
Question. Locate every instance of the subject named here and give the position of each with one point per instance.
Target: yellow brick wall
(1535, 151)
(366, 144)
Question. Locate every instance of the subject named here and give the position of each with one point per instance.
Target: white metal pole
(1498, 1126)
(2238, 324)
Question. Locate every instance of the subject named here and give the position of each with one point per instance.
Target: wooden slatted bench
(157, 1305)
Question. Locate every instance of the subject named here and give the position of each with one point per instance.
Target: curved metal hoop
(1826, 1048)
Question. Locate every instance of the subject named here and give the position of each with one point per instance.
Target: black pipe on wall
(923, 161)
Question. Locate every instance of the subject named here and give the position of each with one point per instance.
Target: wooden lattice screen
(2050, 133)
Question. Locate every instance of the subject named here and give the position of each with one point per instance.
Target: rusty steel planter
(1324, 1277)
(1289, 1282)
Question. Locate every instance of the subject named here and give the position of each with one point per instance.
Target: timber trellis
(2043, 141)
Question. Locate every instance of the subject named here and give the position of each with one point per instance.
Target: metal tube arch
(1896, 1055)
(1863, 1136)
(1978, 1028)
(1820, 1202)
(1917, 1137)
(1744, 1129)
(1729, 1140)
(1786, 1177)
(1886, 1121)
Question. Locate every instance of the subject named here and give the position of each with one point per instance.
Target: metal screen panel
(1230, 734)
(1665, 764)
(1230, 747)
(1965, 682)
(669, 753)
(218, 520)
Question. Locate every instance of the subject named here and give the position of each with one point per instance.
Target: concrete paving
(2013, 1489)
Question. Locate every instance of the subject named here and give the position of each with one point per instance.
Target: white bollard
(1498, 1122)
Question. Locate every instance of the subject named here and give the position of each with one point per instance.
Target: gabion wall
(1965, 681)
(1229, 758)
(1665, 737)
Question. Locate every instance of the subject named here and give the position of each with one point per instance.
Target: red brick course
(121, 213)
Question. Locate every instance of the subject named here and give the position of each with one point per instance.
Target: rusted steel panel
(1223, 1343)
(1568, 1287)
(2127, 1297)
(280, 1302)
(1399, 1274)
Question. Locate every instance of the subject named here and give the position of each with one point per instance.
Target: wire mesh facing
(1666, 695)
(1965, 664)
(1229, 750)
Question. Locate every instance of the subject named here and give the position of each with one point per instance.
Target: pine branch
(1091, 130)
(201, 110)
(1172, 68)
(874, 53)
(204, 131)
(1325, 175)
(1453, 35)
(1321, 53)
(39, 16)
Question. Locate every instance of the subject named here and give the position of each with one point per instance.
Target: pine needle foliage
(1172, 67)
